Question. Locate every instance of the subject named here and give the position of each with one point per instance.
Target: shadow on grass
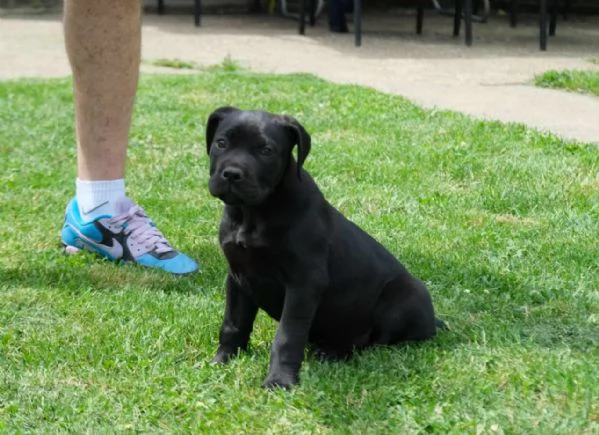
(477, 302)
(52, 269)
(483, 304)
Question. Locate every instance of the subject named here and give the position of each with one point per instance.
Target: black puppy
(296, 257)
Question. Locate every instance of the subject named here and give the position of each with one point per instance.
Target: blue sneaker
(128, 236)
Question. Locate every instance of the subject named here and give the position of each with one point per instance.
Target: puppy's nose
(232, 174)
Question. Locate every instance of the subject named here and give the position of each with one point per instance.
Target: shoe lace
(137, 225)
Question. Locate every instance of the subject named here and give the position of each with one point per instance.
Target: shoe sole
(70, 250)
(73, 250)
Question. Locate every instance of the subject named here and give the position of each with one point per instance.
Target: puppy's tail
(441, 325)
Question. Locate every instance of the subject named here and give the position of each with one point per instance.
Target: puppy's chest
(258, 272)
(246, 237)
(247, 259)
(255, 259)
(248, 246)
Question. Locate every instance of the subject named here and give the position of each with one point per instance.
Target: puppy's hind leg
(404, 313)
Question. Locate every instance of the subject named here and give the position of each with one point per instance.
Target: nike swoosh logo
(95, 208)
(115, 251)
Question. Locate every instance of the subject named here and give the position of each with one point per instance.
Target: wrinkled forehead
(252, 127)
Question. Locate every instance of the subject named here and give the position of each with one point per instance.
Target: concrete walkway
(490, 80)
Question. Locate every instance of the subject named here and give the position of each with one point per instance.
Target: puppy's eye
(266, 151)
(220, 143)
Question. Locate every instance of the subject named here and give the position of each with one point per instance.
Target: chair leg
(553, 18)
(543, 26)
(197, 11)
(513, 13)
(457, 18)
(419, 19)
(302, 18)
(358, 22)
(566, 9)
(160, 7)
(468, 21)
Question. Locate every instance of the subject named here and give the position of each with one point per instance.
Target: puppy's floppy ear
(215, 118)
(301, 138)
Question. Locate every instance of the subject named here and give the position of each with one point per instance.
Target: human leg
(103, 43)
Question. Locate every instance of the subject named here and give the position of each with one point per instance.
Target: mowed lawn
(501, 222)
(585, 82)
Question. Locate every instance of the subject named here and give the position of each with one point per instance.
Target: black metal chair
(545, 7)
(197, 10)
(462, 6)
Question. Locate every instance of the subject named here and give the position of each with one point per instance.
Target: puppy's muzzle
(233, 185)
(232, 175)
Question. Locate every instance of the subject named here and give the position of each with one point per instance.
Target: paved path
(490, 80)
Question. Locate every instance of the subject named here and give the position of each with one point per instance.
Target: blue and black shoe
(129, 236)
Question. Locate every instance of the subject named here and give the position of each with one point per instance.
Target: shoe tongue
(123, 205)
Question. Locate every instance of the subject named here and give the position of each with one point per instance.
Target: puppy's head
(250, 151)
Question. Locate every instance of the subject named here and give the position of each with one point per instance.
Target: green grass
(586, 82)
(173, 63)
(500, 221)
(227, 65)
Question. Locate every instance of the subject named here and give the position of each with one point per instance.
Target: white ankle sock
(98, 198)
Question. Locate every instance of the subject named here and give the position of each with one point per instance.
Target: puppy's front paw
(280, 380)
(222, 356)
